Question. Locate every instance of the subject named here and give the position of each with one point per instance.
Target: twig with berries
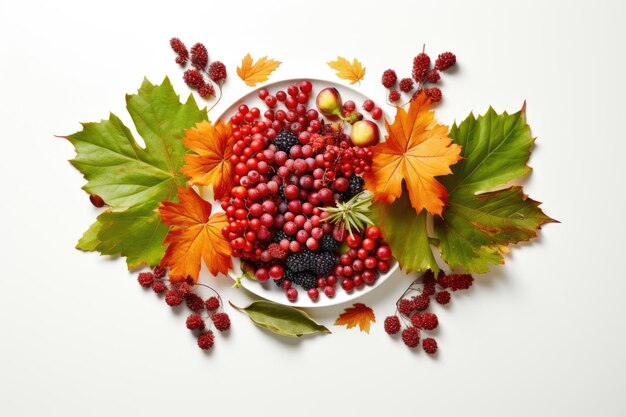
(215, 72)
(410, 309)
(211, 309)
(423, 73)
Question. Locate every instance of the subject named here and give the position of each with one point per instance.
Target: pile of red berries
(209, 310)
(410, 309)
(215, 72)
(289, 165)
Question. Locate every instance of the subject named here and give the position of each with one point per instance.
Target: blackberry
(288, 275)
(356, 186)
(281, 193)
(329, 244)
(285, 140)
(306, 280)
(299, 261)
(322, 263)
(280, 235)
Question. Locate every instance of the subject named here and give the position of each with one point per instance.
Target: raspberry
(429, 321)
(179, 47)
(411, 337)
(145, 279)
(406, 85)
(445, 61)
(433, 76)
(389, 78)
(416, 320)
(193, 78)
(405, 306)
(205, 340)
(430, 345)
(434, 94)
(159, 287)
(199, 56)
(159, 272)
(456, 281)
(421, 302)
(394, 95)
(221, 321)
(184, 288)
(443, 297)
(212, 303)
(206, 91)
(429, 289)
(195, 322)
(217, 72)
(276, 252)
(173, 298)
(421, 64)
(180, 60)
(194, 302)
(392, 324)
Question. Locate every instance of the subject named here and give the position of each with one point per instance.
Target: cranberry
(347, 285)
(292, 294)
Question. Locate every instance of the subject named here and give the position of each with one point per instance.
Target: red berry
(313, 293)
(373, 232)
(173, 298)
(212, 303)
(368, 244)
(159, 272)
(421, 64)
(347, 285)
(430, 345)
(193, 78)
(433, 76)
(199, 56)
(96, 200)
(205, 340)
(145, 279)
(443, 297)
(195, 322)
(276, 272)
(183, 288)
(292, 294)
(159, 287)
(353, 240)
(368, 105)
(217, 72)
(429, 321)
(445, 61)
(329, 291)
(306, 86)
(179, 47)
(411, 337)
(392, 324)
(421, 302)
(383, 252)
(405, 306)
(377, 113)
(389, 78)
(194, 302)
(406, 85)
(433, 94)
(394, 95)
(221, 321)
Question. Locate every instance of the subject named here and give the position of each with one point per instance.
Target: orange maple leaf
(353, 72)
(194, 235)
(359, 314)
(416, 151)
(252, 74)
(210, 165)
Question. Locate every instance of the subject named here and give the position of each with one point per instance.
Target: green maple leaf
(478, 225)
(133, 180)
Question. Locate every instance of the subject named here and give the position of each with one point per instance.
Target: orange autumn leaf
(210, 165)
(194, 235)
(416, 151)
(254, 73)
(359, 314)
(353, 72)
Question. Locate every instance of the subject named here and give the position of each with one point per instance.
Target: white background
(543, 335)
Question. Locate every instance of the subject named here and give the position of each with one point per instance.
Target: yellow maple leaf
(252, 74)
(416, 151)
(357, 315)
(353, 72)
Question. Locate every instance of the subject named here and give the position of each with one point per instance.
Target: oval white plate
(269, 290)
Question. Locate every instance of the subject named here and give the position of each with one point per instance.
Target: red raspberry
(193, 78)
(206, 91)
(159, 272)
(434, 94)
(394, 95)
(429, 289)
(421, 302)
(195, 322)
(205, 340)
(443, 297)
(221, 321)
(184, 288)
(145, 279)
(212, 303)
(180, 60)
(194, 302)
(389, 78)
(173, 298)
(405, 306)
(217, 72)
(421, 64)
(159, 287)
(179, 47)
(411, 337)
(392, 324)
(429, 321)
(456, 281)
(433, 76)
(406, 85)
(199, 56)
(276, 252)
(430, 345)
(416, 320)
(445, 61)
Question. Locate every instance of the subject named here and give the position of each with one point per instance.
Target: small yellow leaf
(254, 73)
(353, 72)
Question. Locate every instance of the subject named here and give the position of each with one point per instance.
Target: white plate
(269, 290)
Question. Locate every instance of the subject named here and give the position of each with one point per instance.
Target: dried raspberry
(429, 278)
(389, 78)
(184, 288)
(276, 252)
(206, 91)
(406, 85)
(445, 61)
(193, 78)
(421, 64)
(179, 47)
(205, 340)
(159, 287)
(145, 279)
(217, 72)
(195, 322)
(429, 321)
(433, 76)
(411, 337)
(394, 95)
(392, 324)
(221, 321)
(434, 94)
(405, 306)
(456, 281)
(429, 289)
(430, 345)
(173, 298)
(443, 297)
(194, 302)
(421, 302)
(159, 272)
(416, 320)
(180, 60)
(212, 303)
(199, 56)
